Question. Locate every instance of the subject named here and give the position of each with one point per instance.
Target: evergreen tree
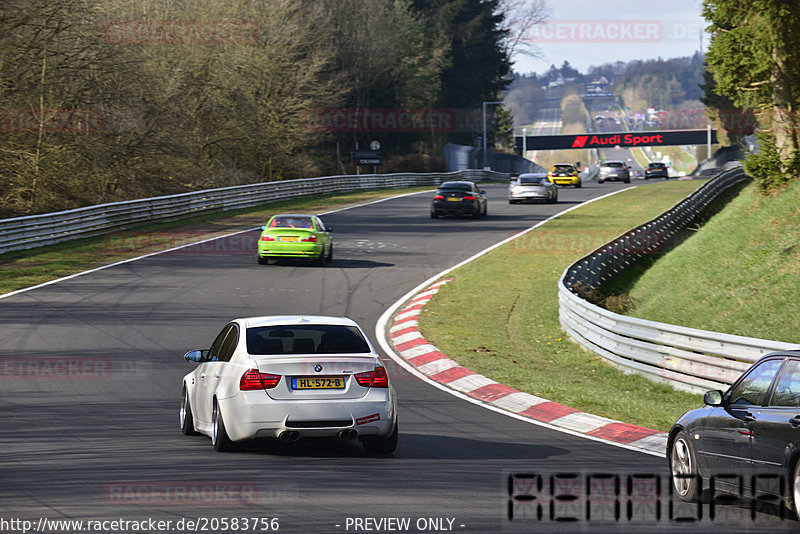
(755, 61)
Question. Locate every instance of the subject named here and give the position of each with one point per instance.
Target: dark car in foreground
(656, 170)
(614, 170)
(458, 198)
(746, 440)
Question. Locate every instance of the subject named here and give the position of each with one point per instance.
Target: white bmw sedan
(289, 377)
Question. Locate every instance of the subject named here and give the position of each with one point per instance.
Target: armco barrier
(688, 358)
(38, 230)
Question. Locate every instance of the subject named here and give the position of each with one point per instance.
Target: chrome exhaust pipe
(348, 434)
(289, 435)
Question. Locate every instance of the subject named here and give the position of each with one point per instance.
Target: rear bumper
(253, 414)
(564, 181)
(286, 250)
(530, 196)
(454, 208)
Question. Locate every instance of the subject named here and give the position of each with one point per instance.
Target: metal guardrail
(37, 230)
(688, 358)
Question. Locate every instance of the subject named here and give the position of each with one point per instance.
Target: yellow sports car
(564, 174)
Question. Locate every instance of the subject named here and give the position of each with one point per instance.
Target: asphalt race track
(100, 441)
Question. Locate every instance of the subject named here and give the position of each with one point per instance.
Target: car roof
(563, 165)
(288, 320)
(459, 182)
(533, 175)
(780, 354)
(612, 161)
(292, 215)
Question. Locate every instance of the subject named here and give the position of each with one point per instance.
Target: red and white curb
(428, 360)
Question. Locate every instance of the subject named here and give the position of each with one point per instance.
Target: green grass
(27, 268)
(499, 315)
(739, 273)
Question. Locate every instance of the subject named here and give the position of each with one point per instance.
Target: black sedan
(459, 198)
(656, 170)
(746, 440)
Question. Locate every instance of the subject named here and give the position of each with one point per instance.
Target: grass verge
(499, 315)
(27, 268)
(738, 272)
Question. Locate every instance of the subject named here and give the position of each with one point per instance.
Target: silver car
(614, 170)
(532, 186)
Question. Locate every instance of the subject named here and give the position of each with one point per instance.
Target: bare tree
(519, 17)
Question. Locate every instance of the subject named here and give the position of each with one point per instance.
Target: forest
(108, 100)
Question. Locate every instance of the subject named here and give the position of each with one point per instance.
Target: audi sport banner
(621, 139)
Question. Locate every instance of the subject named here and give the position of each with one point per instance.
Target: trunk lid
(316, 376)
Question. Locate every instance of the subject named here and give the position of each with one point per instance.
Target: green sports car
(295, 236)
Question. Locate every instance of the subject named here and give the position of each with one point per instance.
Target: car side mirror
(329, 229)
(483, 192)
(264, 227)
(713, 398)
(194, 356)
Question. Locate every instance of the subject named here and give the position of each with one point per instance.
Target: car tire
(485, 210)
(601, 181)
(263, 261)
(434, 214)
(793, 490)
(682, 462)
(330, 254)
(187, 419)
(512, 201)
(578, 185)
(379, 445)
(476, 213)
(219, 436)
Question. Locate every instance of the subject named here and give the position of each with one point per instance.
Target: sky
(593, 32)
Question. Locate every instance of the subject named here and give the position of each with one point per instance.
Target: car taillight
(373, 379)
(438, 197)
(310, 239)
(468, 197)
(267, 238)
(253, 379)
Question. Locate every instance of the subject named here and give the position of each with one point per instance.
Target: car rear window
(564, 168)
(657, 165)
(613, 164)
(291, 222)
(530, 179)
(306, 339)
(455, 187)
